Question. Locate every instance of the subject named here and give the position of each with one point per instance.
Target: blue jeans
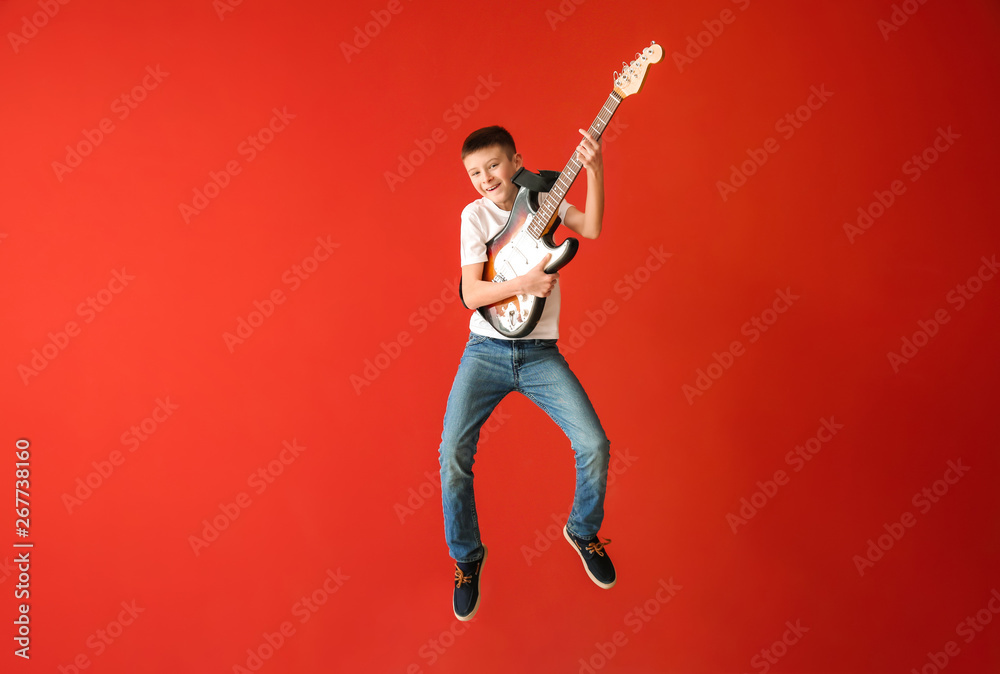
(489, 370)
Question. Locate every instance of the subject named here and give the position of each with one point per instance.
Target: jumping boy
(493, 366)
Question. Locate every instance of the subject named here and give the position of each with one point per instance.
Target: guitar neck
(548, 209)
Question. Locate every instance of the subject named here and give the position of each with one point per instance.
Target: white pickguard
(517, 258)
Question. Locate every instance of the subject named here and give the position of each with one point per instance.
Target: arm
(588, 223)
(476, 292)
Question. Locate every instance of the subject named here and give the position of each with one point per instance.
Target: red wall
(876, 550)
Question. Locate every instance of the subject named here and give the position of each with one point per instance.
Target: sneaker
(467, 575)
(595, 559)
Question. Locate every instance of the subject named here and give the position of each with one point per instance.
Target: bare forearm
(478, 293)
(589, 222)
(594, 213)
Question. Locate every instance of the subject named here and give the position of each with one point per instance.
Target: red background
(357, 498)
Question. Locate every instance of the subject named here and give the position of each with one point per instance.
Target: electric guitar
(527, 236)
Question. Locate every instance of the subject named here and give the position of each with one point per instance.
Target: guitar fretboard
(558, 192)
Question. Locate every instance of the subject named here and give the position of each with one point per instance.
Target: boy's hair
(488, 137)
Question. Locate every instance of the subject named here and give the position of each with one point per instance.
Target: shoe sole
(472, 613)
(569, 539)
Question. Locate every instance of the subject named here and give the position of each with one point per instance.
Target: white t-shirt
(481, 221)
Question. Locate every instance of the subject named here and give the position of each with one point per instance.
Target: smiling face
(490, 170)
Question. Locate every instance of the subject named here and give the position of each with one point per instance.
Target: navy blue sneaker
(467, 575)
(595, 559)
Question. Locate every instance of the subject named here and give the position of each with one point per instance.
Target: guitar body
(514, 252)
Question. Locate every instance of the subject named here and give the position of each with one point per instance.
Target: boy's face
(490, 171)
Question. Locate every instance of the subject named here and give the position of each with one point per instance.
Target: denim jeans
(489, 370)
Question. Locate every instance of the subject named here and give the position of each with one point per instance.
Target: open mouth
(491, 189)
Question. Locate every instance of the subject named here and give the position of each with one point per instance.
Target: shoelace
(461, 578)
(597, 547)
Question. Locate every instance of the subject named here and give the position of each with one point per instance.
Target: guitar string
(614, 100)
(544, 213)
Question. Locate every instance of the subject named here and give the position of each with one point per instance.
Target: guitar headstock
(633, 74)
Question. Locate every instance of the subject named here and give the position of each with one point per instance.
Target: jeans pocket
(476, 339)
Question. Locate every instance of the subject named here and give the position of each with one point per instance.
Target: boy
(493, 366)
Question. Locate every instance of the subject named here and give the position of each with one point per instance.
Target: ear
(518, 163)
